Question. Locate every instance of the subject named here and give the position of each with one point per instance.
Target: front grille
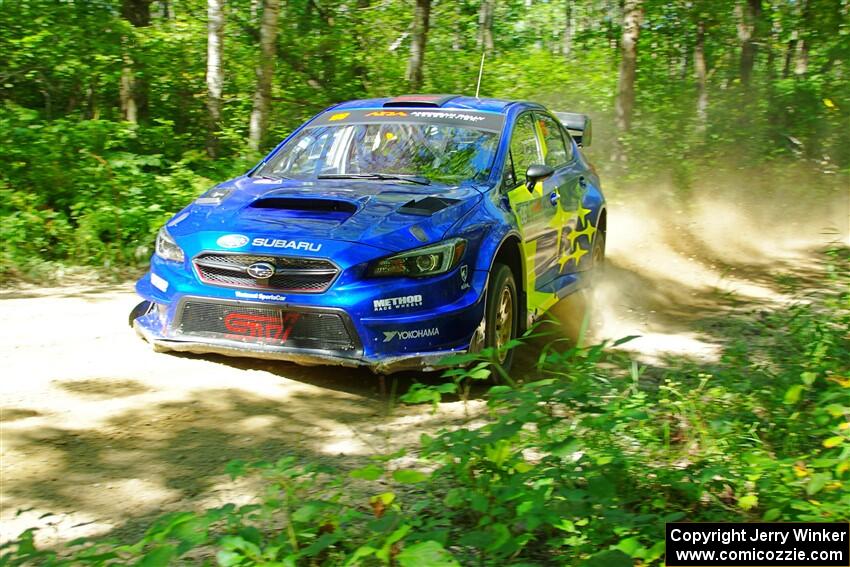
(308, 275)
(266, 324)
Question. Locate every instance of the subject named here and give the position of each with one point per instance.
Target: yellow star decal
(575, 255)
(575, 234)
(582, 214)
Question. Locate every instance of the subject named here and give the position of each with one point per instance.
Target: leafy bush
(91, 192)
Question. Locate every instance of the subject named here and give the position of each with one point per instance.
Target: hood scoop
(427, 206)
(306, 208)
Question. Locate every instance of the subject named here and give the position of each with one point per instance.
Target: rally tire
(501, 312)
(597, 253)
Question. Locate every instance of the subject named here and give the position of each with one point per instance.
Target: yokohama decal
(266, 327)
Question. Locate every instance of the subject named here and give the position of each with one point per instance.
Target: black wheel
(501, 312)
(597, 254)
(142, 308)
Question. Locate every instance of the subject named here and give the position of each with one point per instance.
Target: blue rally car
(386, 233)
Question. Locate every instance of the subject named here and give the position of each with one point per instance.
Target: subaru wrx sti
(387, 233)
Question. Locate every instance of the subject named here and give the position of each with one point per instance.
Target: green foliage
(580, 466)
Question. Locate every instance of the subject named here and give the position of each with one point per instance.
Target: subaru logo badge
(261, 270)
(232, 241)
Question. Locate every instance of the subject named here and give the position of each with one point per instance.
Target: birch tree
(421, 22)
(132, 91)
(485, 25)
(747, 13)
(624, 107)
(215, 79)
(265, 72)
(700, 71)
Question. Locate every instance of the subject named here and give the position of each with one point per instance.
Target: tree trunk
(127, 89)
(133, 90)
(632, 15)
(567, 44)
(748, 13)
(265, 72)
(790, 50)
(215, 79)
(700, 70)
(801, 64)
(485, 25)
(421, 21)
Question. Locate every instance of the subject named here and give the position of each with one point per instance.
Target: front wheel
(501, 313)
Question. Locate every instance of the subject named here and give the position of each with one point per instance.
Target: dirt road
(100, 433)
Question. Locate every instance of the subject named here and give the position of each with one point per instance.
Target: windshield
(445, 153)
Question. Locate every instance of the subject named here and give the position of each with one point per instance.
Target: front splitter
(425, 362)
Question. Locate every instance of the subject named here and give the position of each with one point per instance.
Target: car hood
(386, 215)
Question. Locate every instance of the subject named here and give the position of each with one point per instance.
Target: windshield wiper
(381, 176)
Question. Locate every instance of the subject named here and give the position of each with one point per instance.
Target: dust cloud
(731, 243)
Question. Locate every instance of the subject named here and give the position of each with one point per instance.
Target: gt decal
(242, 325)
(339, 116)
(388, 113)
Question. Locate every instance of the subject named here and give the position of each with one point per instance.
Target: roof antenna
(480, 73)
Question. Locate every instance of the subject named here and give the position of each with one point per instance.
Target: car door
(535, 210)
(566, 249)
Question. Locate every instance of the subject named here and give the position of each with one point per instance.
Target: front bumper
(384, 341)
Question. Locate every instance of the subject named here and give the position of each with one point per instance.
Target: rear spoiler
(578, 125)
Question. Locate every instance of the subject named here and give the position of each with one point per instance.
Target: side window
(524, 150)
(554, 148)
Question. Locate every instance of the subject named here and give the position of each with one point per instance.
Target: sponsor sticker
(411, 334)
(397, 302)
(387, 113)
(448, 115)
(288, 244)
(232, 241)
(464, 277)
(339, 116)
(159, 283)
(259, 295)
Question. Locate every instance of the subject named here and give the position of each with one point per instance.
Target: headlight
(166, 248)
(214, 196)
(427, 261)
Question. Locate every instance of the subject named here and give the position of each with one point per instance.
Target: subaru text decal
(397, 302)
(412, 334)
(291, 244)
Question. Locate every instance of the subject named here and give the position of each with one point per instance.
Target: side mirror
(536, 172)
